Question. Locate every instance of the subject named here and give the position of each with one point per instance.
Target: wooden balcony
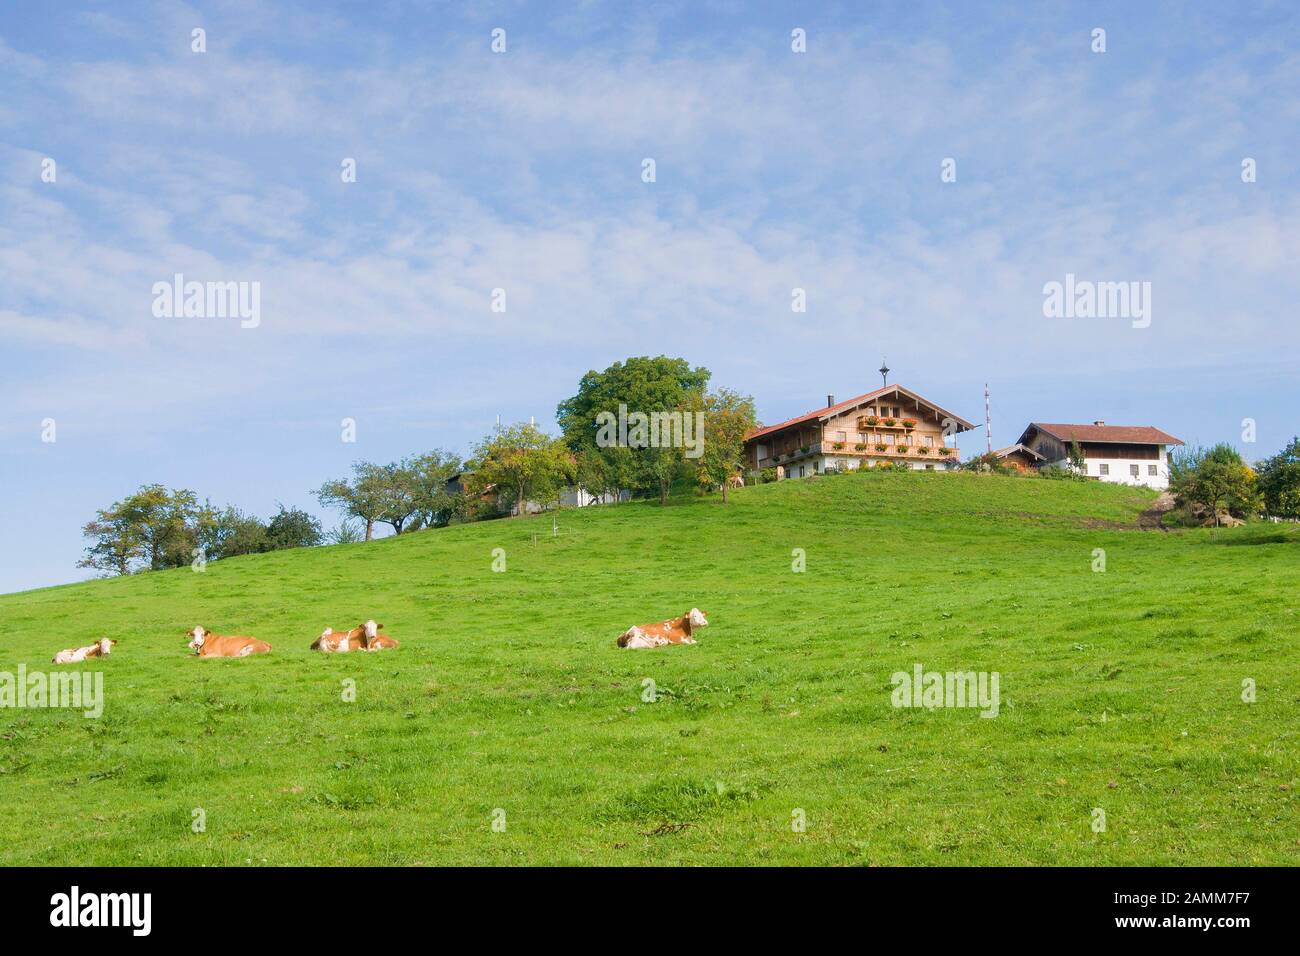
(895, 452)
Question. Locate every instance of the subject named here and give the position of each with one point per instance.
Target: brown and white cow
(339, 642)
(374, 640)
(363, 637)
(736, 481)
(75, 655)
(679, 630)
(207, 644)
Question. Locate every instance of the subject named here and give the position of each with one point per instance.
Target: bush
(1053, 472)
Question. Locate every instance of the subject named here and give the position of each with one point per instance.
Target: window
(1152, 470)
(1103, 469)
(1133, 470)
(889, 439)
(841, 436)
(929, 441)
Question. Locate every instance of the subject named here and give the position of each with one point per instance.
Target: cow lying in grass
(680, 630)
(363, 637)
(75, 655)
(207, 644)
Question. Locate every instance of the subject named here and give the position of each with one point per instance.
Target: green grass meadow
(1120, 690)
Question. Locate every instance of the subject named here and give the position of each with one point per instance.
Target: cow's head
(697, 618)
(197, 637)
(371, 629)
(105, 645)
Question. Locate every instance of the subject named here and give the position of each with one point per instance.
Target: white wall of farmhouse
(1150, 473)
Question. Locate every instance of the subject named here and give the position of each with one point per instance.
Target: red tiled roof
(1120, 434)
(832, 410)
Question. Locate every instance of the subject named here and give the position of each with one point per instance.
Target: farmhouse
(1020, 457)
(1126, 454)
(891, 424)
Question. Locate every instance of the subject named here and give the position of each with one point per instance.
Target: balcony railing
(868, 451)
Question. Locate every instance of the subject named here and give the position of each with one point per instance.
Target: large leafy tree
(728, 417)
(641, 384)
(232, 533)
(522, 464)
(1216, 479)
(117, 542)
(366, 496)
(293, 528)
(1279, 481)
(153, 528)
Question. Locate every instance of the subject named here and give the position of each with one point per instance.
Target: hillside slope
(1120, 690)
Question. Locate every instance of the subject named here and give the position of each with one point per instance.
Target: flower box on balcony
(945, 451)
(838, 446)
(882, 448)
(890, 422)
(922, 450)
(804, 449)
(860, 446)
(909, 423)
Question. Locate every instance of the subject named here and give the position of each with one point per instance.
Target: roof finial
(884, 373)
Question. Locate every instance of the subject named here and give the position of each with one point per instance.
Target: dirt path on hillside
(1149, 520)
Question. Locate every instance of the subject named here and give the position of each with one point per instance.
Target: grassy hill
(1120, 690)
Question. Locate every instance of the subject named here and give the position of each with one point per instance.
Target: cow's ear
(379, 627)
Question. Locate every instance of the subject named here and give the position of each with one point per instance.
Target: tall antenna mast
(988, 419)
(884, 373)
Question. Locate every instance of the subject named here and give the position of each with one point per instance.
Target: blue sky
(522, 171)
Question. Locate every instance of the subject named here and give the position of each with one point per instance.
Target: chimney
(1099, 422)
(830, 400)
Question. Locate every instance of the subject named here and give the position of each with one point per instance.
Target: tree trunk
(724, 492)
(370, 528)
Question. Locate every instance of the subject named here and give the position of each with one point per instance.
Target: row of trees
(157, 528)
(519, 464)
(406, 495)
